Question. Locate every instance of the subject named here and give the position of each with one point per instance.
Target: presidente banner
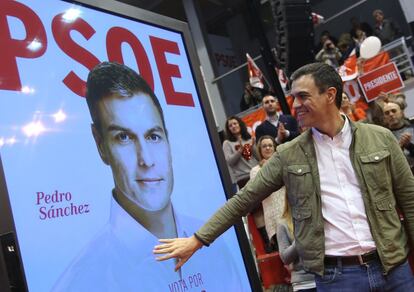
(385, 79)
(93, 181)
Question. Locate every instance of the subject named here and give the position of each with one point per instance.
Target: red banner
(253, 119)
(383, 79)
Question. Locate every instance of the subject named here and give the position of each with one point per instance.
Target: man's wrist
(202, 241)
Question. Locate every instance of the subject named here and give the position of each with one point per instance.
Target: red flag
(317, 18)
(255, 74)
(283, 80)
(349, 70)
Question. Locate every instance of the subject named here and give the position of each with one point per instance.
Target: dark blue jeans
(358, 278)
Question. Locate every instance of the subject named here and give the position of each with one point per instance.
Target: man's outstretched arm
(179, 248)
(268, 180)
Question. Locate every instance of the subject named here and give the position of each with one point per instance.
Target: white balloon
(370, 47)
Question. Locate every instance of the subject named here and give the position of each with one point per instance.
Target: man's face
(134, 143)
(310, 105)
(393, 115)
(269, 104)
(379, 17)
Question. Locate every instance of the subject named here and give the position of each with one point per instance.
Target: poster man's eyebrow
(117, 128)
(156, 129)
(124, 129)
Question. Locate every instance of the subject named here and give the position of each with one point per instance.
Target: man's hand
(405, 139)
(178, 248)
(281, 133)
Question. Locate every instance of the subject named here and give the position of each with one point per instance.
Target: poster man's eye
(154, 138)
(123, 137)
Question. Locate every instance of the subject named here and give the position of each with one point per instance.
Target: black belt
(351, 260)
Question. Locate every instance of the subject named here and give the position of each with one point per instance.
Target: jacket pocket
(299, 183)
(375, 169)
(388, 221)
(302, 218)
(385, 205)
(375, 157)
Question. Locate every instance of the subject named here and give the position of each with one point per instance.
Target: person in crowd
(270, 210)
(325, 35)
(400, 99)
(358, 36)
(353, 113)
(300, 279)
(364, 26)
(385, 29)
(402, 129)
(329, 54)
(346, 45)
(346, 49)
(376, 108)
(239, 150)
(131, 138)
(344, 182)
(281, 127)
(251, 96)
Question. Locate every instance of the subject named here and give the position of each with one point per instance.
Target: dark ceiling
(214, 12)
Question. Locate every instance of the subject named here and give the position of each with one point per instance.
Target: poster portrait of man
(132, 138)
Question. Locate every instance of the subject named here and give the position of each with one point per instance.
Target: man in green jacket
(344, 182)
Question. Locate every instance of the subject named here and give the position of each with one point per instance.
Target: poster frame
(137, 14)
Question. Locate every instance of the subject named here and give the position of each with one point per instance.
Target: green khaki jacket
(384, 177)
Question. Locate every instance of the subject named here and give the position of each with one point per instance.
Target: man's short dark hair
(324, 76)
(109, 78)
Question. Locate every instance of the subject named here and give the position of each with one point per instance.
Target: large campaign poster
(73, 235)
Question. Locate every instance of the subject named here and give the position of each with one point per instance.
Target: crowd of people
(334, 52)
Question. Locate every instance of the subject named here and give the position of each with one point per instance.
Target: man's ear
(331, 91)
(99, 144)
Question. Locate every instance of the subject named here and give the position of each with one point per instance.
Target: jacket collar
(306, 139)
(306, 143)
